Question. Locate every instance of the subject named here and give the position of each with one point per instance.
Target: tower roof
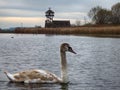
(49, 11)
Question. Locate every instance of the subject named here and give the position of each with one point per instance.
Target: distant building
(50, 23)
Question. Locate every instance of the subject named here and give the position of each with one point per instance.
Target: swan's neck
(64, 74)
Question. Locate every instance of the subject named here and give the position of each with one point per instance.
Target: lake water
(96, 66)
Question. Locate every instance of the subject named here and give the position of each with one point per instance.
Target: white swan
(42, 76)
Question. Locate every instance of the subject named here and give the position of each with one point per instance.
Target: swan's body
(42, 76)
(34, 76)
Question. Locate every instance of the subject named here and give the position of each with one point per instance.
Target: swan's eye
(69, 48)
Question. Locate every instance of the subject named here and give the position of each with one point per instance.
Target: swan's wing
(10, 76)
(34, 76)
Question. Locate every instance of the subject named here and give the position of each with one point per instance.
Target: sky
(31, 13)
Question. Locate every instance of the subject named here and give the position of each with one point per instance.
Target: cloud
(19, 13)
(56, 5)
(70, 15)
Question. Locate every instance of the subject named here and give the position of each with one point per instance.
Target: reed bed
(103, 30)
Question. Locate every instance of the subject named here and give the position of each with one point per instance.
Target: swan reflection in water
(24, 86)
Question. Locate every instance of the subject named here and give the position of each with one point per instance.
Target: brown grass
(101, 30)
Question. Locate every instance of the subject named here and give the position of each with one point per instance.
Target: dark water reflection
(22, 86)
(95, 67)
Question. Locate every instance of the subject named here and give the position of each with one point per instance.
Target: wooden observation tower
(49, 16)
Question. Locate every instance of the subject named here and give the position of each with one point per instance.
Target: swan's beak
(71, 50)
(74, 52)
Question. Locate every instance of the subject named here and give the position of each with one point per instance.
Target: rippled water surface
(96, 66)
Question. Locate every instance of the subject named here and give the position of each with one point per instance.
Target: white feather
(41, 71)
(10, 76)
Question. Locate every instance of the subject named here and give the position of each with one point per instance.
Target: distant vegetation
(90, 30)
(101, 15)
(6, 31)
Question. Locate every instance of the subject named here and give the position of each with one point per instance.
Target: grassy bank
(101, 30)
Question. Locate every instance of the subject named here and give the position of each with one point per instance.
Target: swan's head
(66, 47)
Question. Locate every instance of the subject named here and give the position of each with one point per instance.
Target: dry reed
(103, 30)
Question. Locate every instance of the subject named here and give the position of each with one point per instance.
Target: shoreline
(98, 31)
(84, 35)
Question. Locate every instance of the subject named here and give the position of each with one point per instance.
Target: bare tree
(100, 15)
(104, 16)
(93, 13)
(116, 13)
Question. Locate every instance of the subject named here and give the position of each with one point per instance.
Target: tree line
(101, 15)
